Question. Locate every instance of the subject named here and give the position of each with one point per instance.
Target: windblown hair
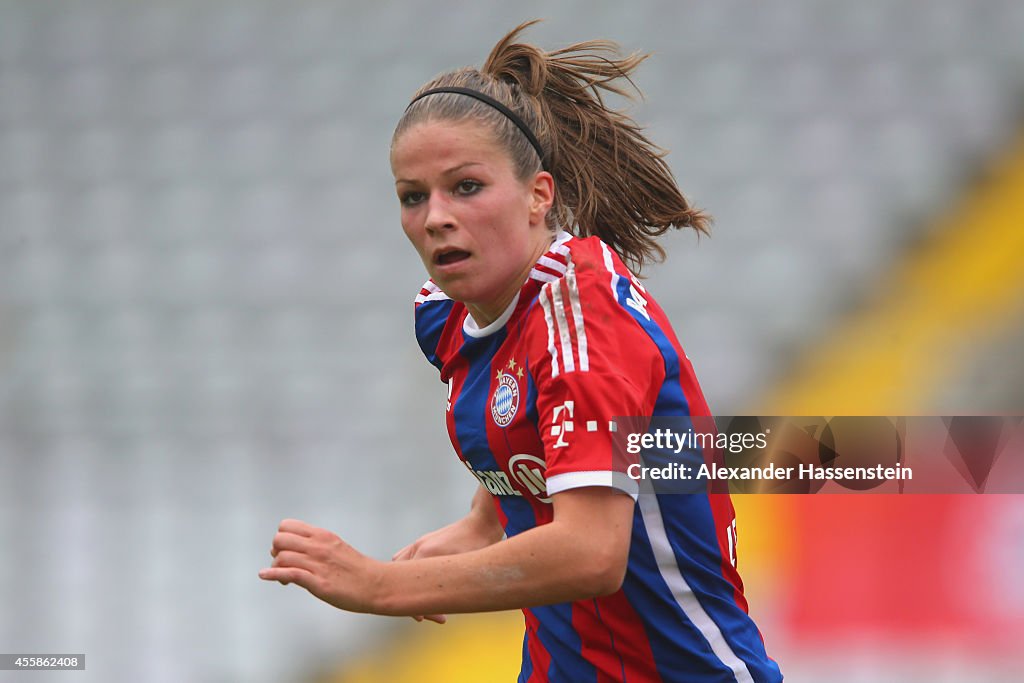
(610, 180)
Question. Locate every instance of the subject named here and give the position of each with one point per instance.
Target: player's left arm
(581, 553)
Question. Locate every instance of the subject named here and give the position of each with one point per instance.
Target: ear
(542, 196)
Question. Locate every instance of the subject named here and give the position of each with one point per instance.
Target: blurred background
(206, 317)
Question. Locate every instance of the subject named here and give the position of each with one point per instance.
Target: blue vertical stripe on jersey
(431, 317)
(519, 514)
(558, 636)
(471, 405)
(471, 409)
(519, 511)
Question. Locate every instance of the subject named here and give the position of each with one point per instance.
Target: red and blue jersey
(532, 399)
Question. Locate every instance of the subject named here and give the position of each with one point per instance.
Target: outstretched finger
(286, 575)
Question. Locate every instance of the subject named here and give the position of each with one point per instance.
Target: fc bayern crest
(505, 401)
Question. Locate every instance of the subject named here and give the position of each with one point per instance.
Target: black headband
(486, 99)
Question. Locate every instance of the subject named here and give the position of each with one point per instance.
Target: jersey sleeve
(592, 362)
(432, 310)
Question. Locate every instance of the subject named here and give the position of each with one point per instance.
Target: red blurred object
(914, 571)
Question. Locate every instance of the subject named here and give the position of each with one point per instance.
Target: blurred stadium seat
(205, 295)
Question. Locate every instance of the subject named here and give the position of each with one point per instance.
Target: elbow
(605, 573)
(612, 579)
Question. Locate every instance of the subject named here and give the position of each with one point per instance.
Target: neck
(485, 314)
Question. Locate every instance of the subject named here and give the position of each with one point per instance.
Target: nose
(439, 215)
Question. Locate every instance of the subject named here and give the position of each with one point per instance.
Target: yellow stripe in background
(964, 286)
(470, 648)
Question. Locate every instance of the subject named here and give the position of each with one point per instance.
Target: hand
(469, 533)
(323, 564)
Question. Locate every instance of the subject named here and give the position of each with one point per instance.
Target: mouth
(450, 256)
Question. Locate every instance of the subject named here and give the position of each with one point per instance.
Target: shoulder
(429, 292)
(594, 277)
(590, 255)
(592, 314)
(433, 309)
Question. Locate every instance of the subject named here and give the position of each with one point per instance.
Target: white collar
(473, 330)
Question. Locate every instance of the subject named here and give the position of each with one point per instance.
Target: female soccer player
(525, 196)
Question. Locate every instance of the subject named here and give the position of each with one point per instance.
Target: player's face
(478, 228)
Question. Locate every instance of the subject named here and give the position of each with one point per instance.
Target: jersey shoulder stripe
(552, 265)
(430, 292)
(588, 264)
(432, 310)
(566, 327)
